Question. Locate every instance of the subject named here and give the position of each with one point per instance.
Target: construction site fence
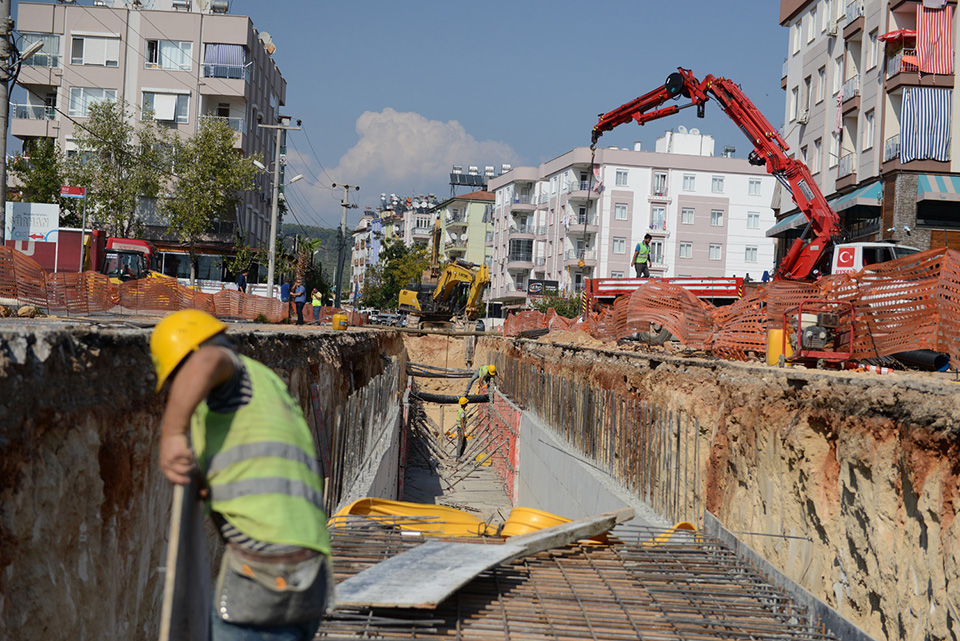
(23, 281)
(651, 450)
(499, 426)
(907, 304)
(359, 427)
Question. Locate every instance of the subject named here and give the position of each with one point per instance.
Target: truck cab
(852, 257)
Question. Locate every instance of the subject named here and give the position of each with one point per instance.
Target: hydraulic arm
(769, 148)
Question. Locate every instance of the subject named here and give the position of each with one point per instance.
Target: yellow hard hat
(493, 370)
(176, 336)
(464, 400)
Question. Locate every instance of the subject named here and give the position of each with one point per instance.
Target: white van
(852, 257)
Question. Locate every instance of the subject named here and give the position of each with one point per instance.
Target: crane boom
(769, 149)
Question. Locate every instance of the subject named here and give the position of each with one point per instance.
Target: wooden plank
(424, 576)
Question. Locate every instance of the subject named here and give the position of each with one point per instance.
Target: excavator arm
(769, 149)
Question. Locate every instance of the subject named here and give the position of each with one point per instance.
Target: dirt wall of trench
(84, 510)
(848, 483)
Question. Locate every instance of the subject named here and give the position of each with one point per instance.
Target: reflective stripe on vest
(643, 253)
(222, 460)
(266, 485)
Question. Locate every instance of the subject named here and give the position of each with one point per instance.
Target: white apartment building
(465, 224)
(566, 221)
(869, 109)
(184, 59)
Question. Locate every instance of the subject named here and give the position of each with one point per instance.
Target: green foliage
(122, 161)
(40, 174)
(211, 175)
(398, 267)
(566, 306)
(243, 258)
(326, 255)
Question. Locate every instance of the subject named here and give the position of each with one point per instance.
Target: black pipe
(924, 358)
(446, 398)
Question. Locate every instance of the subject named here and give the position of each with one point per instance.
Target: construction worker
(484, 375)
(256, 457)
(462, 426)
(641, 257)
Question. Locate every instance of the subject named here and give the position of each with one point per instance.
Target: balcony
(853, 22)
(572, 257)
(891, 148)
(455, 245)
(33, 112)
(783, 75)
(457, 220)
(237, 124)
(847, 171)
(224, 80)
(903, 60)
(520, 260)
(34, 121)
(229, 72)
(488, 240)
(581, 190)
(851, 95)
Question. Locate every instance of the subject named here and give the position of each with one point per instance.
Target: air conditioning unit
(832, 28)
(803, 117)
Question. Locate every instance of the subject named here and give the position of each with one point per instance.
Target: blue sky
(392, 94)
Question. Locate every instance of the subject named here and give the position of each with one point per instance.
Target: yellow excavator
(445, 296)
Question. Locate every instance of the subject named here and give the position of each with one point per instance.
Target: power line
(316, 155)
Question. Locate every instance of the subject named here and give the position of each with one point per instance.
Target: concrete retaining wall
(84, 511)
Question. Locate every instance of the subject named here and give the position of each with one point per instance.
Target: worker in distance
(641, 257)
(485, 374)
(255, 454)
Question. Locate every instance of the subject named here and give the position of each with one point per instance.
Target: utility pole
(342, 245)
(275, 210)
(6, 26)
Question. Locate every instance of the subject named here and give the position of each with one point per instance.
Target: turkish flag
(846, 258)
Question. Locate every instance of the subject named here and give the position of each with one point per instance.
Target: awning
(232, 55)
(898, 35)
(789, 223)
(936, 187)
(870, 196)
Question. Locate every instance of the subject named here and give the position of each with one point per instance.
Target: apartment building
(186, 60)
(869, 109)
(464, 220)
(567, 220)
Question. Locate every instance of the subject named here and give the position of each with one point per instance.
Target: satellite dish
(695, 131)
(268, 43)
(681, 129)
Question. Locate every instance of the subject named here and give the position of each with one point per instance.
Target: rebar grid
(654, 586)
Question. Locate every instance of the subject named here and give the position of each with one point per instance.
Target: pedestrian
(299, 299)
(641, 257)
(484, 375)
(316, 302)
(242, 281)
(256, 458)
(285, 296)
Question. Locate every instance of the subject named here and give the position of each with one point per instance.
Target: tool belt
(263, 589)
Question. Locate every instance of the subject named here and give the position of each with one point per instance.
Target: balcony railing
(575, 254)
(854, 11)
(237, 124)
(457, 218)
(523, 199)
(540, 261)
(586, 220)
(232, 72)
(455, 244)
(544, 198)
(422, 230)
(658, 224)
(520, 257)
(848, 165)
(33, 112)
(521, 229)
(891, 148)
(851, 88)
(903, 60)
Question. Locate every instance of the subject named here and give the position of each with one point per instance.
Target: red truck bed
(607, 289)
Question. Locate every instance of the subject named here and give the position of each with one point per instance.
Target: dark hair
(647, 237)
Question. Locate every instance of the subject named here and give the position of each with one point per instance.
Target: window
(837, 74)
(686, 216)
(821, 84)
(825, 16)
(794, 101)
(797, 35)
(812, 25)
(868, 130)
(803, 155)
(750, 255)
(753, 187)
(656, 252)
(807, 90)
(834, 156)
(686, 250)
(716, 250)
(49, 54)
(175, 55)
(659, 183)
(717, 185)
(621, 178)
(82, 97)
(689, 182)
(716, 218)
(658, 217)
(619, 245)
(95, 50)
(817, 152)
(873, 53)
(620, 211)
(167, 107)
(753, 220)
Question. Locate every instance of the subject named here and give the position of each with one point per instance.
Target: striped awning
(796, 221)
(935, 39)
(870, 195)
(925, 124)
(936, 187)
(218, 54)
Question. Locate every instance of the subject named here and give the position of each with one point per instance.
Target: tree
(211, 175)
(566, 306)
(122, 161)
(305, 256)
(399, 266)
(40, 173)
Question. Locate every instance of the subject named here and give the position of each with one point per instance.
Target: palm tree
(307, 247)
